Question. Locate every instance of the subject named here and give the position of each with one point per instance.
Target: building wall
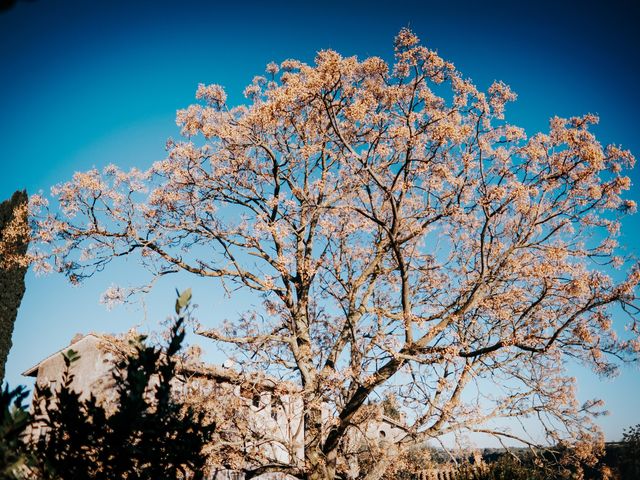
(280, 416)
(91, 371)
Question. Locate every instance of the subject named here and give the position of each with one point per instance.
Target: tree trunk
(317, 463)
(378, 469)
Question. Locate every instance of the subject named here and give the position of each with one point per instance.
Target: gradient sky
(87, 83)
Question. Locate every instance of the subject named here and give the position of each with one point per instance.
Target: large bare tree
(403, 237)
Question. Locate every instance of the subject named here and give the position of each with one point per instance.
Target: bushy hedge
(150, 435)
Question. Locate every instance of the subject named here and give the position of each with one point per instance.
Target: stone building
(90, 372)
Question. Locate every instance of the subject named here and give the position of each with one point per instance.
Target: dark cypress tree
(13, 238)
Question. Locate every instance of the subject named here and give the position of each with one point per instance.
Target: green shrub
(14, 419)
(150, 436)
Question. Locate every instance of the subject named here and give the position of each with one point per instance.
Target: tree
(403, 236)
(628, 460)
(147, 433)
(14, 419)
(14, 232)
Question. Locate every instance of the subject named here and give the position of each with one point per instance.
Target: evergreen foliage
(629, 460)
(13, 422)
(151, 435)
(146, 433)
(12, 285)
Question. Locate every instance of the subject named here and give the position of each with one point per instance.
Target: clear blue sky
(86, 83)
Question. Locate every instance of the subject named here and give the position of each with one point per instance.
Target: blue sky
(86, 83)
